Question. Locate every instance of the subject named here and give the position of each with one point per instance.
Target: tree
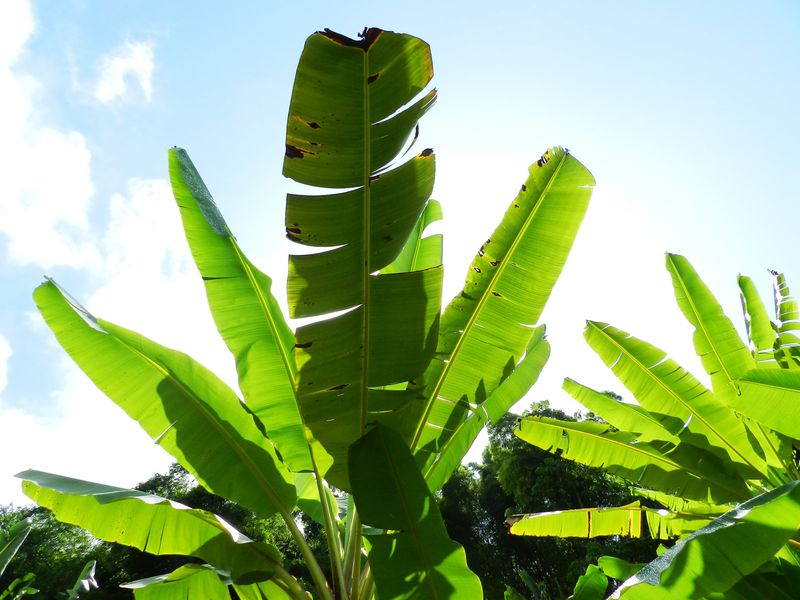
(380, 397)
(516, 477)
(720, 464)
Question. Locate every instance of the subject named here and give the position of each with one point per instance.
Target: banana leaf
(787, 316)
(218, 441)
(760, 330)
(631, 520)
(591, 585)
(246, 314)
(771, 397)
(352, 110)
(414, 558)
(724, 356)
(11, 542)
(486, 328)
(189, 582)
(149, 523)
(713, 559)
(619, 452)
(440, 466)
(672, 395)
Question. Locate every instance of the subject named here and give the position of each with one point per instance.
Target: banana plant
(706, 463)
(371, 406)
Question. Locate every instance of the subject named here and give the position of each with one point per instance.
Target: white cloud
(47, 185)
(150, 286)
(135, 59)
(5, 354)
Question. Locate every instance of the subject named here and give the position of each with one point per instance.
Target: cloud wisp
(133, 60)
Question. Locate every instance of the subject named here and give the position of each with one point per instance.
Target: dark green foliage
(516, 477)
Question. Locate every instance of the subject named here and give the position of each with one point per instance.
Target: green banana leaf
(149, 523)
(787, 316)
(485, 330)
(617, 568)
(415, 558)
(442, 464)
(11, 542)
(672, 395)
(777, 581)
(591, 585)
(771, 397)
(682, 505)
(630, 520)
(266, 590)
(625, 417)
(189, 582)
(619, 452)
(218, 440)
(421, 251)
(246, 314)
(724, 356)
(86, 581)
(760, 330)
(349, 117)
(713, 559)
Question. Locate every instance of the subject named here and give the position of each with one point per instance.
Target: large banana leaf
(619, 452)
(723, 354)
(218, 441)
(343, 129)
(189, 582)
(759, 328)
(714, 558)
(486, 328)
(246, 314)
(682, 405)
(625, 417)
(771, 397)
(414, 558)
(149, 523)
(508, 393)
(630, 520)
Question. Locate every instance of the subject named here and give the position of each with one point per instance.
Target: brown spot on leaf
(294, 229)
(341, 386)
(524, 188)
(295, 152)
(373, 77)
(314, 125)
(305, 345)
(427, 152)
(494, 263)
(516, 205)
(481, 251)
(476, 269)
(387, 238)
(496, 294)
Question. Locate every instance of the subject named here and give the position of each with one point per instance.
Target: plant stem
(294, 587)
(352, 553)
(367, 583)
(332, 535)
(317, 576)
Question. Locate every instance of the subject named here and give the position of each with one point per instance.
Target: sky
(685, 112)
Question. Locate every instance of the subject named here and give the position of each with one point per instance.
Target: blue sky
(686, 113)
